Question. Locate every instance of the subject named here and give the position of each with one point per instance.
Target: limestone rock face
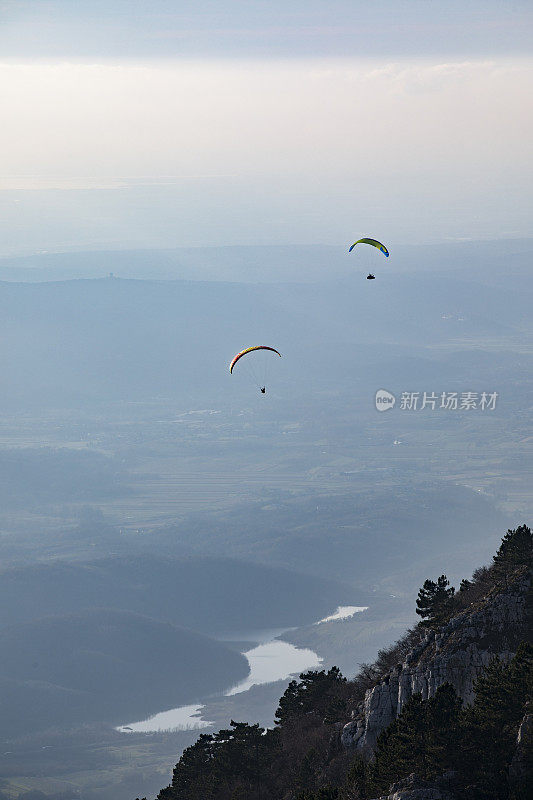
(521, 770)
(455, 654)
(413, 788)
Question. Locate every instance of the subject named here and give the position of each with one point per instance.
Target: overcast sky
(126, 124)
(265, 28)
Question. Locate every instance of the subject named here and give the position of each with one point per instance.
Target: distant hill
(105, 665)
(206, 594)
(87, 341)
(269, 263)
(384, 537)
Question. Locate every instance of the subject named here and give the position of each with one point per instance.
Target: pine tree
(434, 601)
(243, 753)
(314, 692)
(232, 762)
(358, 777)
(401, 748)
(442, 720)
(423, 739)
(307, 771)
(515, 550)
(194, 776)
(490, 726)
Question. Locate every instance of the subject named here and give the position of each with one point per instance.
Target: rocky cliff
(456, 654)
(413, 788)
(434, 747)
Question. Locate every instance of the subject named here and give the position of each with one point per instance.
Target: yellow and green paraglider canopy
(374, 243)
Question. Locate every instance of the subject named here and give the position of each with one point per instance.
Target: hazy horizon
(156, 125)
(180, 182)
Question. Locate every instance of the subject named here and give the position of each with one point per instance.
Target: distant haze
(180, 181)
(239, 123)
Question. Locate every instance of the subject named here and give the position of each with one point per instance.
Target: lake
(269, 661)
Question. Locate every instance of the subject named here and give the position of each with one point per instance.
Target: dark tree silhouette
(515, 550)
(313, 692)
(434, 601)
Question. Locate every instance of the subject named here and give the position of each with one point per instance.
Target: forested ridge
(438, 747)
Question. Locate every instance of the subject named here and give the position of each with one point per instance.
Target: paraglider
(251, 350)
(252, 367)
(374, 243)
(368, 259)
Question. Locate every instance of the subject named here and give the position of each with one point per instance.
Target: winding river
(270, 660)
